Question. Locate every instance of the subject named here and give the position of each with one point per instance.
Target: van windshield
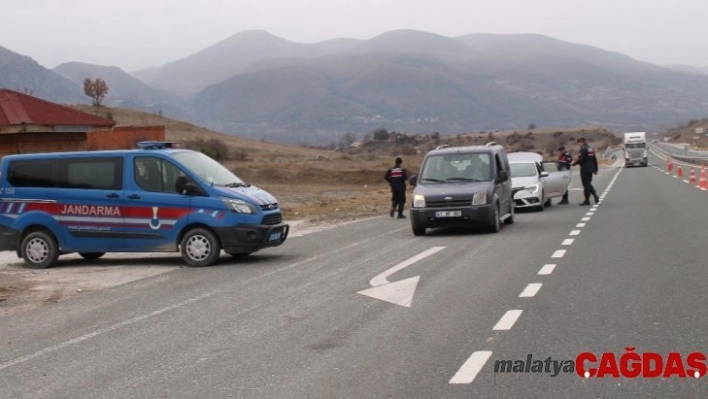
(208, 169)
(635, 145)
(522, 169)
(457, 168)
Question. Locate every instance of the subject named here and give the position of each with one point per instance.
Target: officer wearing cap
(564, 161)
(396, 176)
(588, 167)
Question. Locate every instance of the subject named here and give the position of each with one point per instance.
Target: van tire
(91, 255)
(39, 250)
(418, 231)
(200, 247)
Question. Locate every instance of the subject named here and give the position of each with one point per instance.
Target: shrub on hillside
(214, 148)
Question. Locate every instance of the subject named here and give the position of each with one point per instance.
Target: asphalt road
(306, 320)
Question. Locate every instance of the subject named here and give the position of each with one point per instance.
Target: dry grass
(319, 185)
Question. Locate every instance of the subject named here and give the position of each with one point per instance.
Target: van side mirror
(413, 180)
(503, 176)
(544, 174)
(188, 188)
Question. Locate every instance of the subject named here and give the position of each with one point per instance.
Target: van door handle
(113, 195)
(134, 196)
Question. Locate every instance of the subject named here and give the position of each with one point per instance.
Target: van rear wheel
(39, 250)
(200, 247)
(91, 255)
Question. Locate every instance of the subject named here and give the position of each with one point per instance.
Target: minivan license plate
(274, 236)
(448, 214)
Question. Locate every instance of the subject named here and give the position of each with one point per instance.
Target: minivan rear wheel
(496, 224)
(200, 247)
(39, 250)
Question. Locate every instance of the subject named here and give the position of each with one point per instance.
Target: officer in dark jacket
(396, 177)
(588, 167)
(564, 161)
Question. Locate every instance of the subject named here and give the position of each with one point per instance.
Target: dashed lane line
(507, 321)
(547, 269)
(531, 290)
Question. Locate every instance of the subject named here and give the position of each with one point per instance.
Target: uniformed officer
(588, 167)
(564, 161)
(396, 177)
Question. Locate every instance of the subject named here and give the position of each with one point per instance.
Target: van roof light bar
(156, 145)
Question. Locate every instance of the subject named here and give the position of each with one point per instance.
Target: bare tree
(96, 89)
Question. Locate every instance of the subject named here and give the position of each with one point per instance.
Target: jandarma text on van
(630, 364)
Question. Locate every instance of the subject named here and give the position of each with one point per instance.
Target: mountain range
(257, 85)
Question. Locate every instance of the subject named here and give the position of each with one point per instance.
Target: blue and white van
(158, 198)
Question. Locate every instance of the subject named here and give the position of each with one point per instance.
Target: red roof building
(30, 124)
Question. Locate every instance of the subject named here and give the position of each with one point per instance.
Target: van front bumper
(469, 216)
(8, 238)
(251, 237)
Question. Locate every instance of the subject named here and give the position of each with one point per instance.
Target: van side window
(156, 175)
(92, 173)
(40, 173)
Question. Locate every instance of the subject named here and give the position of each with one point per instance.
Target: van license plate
(274, 236)
(448, 214)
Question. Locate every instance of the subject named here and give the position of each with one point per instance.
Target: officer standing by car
(564, 161)
(396, 177)
(588, 167)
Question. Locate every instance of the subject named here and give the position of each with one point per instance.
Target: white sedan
(535, 182)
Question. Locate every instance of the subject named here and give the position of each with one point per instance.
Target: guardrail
(689, 159)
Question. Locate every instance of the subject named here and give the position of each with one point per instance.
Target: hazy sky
(135, 34)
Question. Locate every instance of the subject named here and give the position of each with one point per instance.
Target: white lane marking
(580, 225)
(568, 241)
(589, 214)
(675, 177)
(507, 321)
(574, 233)
(186, 302)
(547, 269)
(585, 219)
(469, 370)
(558, 254)
(686, 181)
(530, 290)
(381, 278)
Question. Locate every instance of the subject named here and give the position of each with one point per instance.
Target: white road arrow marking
(397, 292)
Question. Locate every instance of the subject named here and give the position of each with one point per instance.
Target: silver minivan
(462, 186)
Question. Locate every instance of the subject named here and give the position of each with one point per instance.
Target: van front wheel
(200, 247)
(39, 250)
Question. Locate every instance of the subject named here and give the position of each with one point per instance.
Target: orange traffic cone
(679, 171)
(669, 164)
(703, 183)
(692, 179)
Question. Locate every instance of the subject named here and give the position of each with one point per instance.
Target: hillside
(22, 73)
(123, 90)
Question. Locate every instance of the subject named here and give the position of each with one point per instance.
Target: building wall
(41, 142)
(124, 137)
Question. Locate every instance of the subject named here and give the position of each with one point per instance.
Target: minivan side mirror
(544, 174)
(413, 180)
(503, 176)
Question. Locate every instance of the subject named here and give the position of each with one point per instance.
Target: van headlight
(239, 206)
(418, 201)
(479, 198)
(533, 188)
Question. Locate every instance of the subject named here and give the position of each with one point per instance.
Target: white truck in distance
(635, 149)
